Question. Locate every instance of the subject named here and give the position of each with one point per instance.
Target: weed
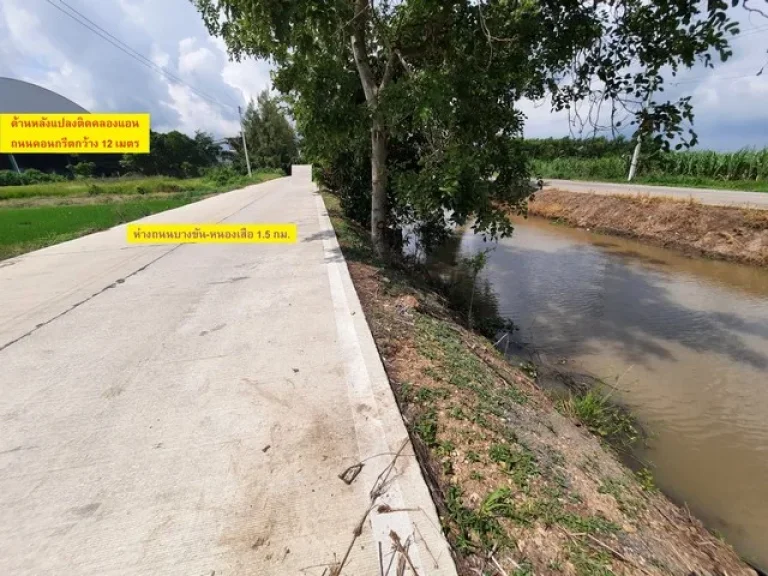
(515, 395)
(587, 524)
(601, 417)
(524, 569)
(475, 475)
(618, 489)
(555, 565)
(471, 526)
(425, 394)
(587, 561)
(645, 478)
(426, 427)
(530, 369)
(457, 413)
(521, 463)
(473, 456)
(432, 373)
(445, 448)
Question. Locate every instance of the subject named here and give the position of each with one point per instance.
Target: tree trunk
(379, 191)
(379, 144)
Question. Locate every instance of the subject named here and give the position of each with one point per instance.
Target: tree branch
(389, 70)
(360, 52)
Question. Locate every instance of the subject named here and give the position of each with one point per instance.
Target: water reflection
(690, 334)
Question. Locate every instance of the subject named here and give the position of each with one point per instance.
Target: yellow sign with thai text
(152, 233)
(74, 133)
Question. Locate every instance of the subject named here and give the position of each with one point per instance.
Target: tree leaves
(448, 76)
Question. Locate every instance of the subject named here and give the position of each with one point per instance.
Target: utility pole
(245, 146)
(14, 164)
(636, 153)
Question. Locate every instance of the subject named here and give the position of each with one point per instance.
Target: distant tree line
(174, 154)
(272, 143)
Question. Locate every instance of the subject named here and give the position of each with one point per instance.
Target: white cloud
(197, 114)
(159, 57)
(43, 46)
(47, 48)
(193, 58)
(73, 84)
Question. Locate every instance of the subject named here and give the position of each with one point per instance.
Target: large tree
(174, 154)
(271, 139)
(434, 84)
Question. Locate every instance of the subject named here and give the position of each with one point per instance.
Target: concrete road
(186, 410)
(703, 195)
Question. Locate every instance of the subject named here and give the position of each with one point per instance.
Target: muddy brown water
(684, 339)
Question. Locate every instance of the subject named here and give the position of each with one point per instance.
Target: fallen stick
(376, 491)
(402, 550)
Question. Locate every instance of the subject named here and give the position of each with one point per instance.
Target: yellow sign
(211, 233)
(74, 133)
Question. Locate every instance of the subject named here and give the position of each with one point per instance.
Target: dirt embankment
(521, 488)
(737, 234)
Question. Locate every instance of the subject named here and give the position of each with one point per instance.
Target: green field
(743, 170)
(27, 228)
(107, 187)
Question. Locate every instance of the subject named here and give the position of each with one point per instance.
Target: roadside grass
(128, 186)
(23, 229)
(518, 489)
(107, 186)
(461, 405)
(26, 229)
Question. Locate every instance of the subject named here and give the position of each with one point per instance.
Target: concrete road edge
(380, 428)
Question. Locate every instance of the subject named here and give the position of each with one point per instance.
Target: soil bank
(728, 233)
(521, 488)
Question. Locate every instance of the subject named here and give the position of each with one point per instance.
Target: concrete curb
(380, 429)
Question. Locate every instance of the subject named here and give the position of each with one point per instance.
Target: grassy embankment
(524, 484)
(39, 215)
(742, 170)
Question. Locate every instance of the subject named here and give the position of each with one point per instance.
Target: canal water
(684, 340)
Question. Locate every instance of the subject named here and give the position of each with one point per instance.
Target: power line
(749, 32)
(126, 49)
(695, 80)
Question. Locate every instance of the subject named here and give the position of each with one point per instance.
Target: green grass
(126, 186)
(33, 227)
(602, 417)
(26, 229)
(112, 186)
(745, 170)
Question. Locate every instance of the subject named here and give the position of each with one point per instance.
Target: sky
(43, 46)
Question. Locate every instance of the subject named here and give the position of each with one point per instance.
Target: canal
(685, 342)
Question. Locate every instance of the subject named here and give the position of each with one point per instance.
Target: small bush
(223, 175)
(31, 176)
(10, 178)
(83, 169)
(95, 190)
